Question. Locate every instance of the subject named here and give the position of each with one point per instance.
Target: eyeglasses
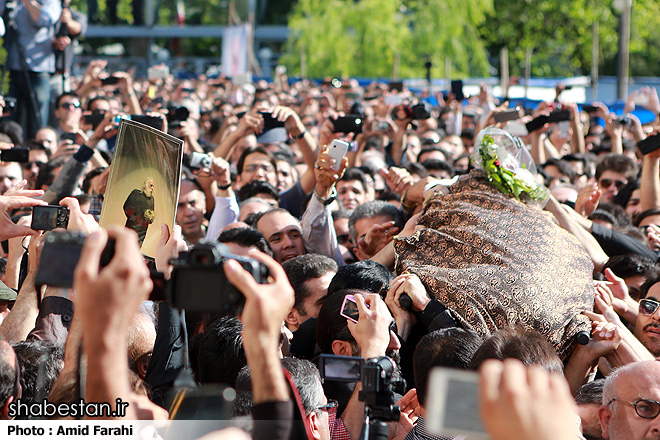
(331, 407)
(255, 167)
(606, 183)
(645, 408)
(28, 165)
(648, 307)
(69, 105)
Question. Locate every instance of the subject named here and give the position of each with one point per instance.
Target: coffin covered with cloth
(495, 261)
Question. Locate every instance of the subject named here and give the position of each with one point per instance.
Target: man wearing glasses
(647, 326)
(631, 403)
(613, 173)
(68, 113)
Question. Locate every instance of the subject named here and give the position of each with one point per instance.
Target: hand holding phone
(337, 151)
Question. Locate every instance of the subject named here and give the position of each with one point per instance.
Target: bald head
(141, 340)
(624, 414)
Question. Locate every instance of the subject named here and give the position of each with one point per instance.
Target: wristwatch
(326, 202)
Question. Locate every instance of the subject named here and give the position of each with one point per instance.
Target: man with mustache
(647, 326)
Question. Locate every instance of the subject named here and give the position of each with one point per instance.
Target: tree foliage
(560, 35)
(339, 37)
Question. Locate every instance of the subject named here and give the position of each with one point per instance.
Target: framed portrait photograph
(143, 186)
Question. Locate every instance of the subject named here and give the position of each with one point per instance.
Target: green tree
(363, 38)
(560, 35)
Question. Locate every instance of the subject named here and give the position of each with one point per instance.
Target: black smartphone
(559, 116)
(347, 124)
(47, 218)
(396, 85)
(651, 143)
(68, 137)
(152, 121)
(270, 122)
(590, 108)
(59, 258)
(110, 81)
(18, 154)
(536, 123)
(507, 115)
(94, 118)
(457, 89)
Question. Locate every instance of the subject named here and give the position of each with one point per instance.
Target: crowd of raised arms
(326, 226)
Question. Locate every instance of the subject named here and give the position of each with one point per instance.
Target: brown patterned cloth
(497, 262)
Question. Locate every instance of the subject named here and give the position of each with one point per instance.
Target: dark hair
(58, 100)
(591, 393)
(366, 275)
(563, 167)
(221, 355)
(416, 168)
(331, 326)
(613, 214)
(246, 237)
(33, 145)
(252, 150)
(388, 196)
(307, 380)
(354, 173)
(93, 100)
(438, 165)
(447, 347)
(528, 346)
(623, 196)
(628, 265)
(7, 380)
(303, 268)
(425, 150)
(617, 163)
(13, 130)
(254, 188)
(371, 209)
(34, 355)
(87, 181)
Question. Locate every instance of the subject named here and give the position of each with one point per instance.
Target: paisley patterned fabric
(497, 262)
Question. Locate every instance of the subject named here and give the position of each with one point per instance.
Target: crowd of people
(446, 270)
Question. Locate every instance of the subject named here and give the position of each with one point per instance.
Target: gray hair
(373, 209)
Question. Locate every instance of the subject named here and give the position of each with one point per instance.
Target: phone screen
(349, 309)
(44, 218)
(453, 403)
(341, 368)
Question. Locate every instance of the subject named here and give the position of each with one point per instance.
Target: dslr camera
(199, 283)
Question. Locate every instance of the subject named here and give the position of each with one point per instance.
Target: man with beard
(647, 326)
(139, 209)
(370, 337)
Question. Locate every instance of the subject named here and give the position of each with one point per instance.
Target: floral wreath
(507, 170)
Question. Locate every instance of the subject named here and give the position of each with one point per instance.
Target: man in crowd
(310, 276)
(31, 59)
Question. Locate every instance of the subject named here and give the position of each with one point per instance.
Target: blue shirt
(34, 38)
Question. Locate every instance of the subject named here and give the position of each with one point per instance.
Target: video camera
(376, 377)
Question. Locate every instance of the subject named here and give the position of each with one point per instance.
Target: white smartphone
(158, 72)
(452, 406)
(642, 99)
(393, 100)
(516, 128)
(563, 128)
(337, 151)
